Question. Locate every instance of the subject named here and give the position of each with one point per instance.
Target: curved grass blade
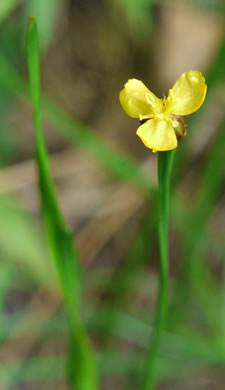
(82, 372)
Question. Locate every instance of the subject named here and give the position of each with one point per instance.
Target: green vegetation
(79, 272)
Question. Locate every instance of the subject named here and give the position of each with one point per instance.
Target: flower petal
(133, 99)
(157, 135)
(187, 94)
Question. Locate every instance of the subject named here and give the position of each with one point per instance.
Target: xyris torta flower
(163, 117)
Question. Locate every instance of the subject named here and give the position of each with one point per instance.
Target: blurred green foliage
(117, 304)
(6, 7)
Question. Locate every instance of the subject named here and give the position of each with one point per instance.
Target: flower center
(158, 110)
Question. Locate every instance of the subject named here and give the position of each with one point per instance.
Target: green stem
(165, 161)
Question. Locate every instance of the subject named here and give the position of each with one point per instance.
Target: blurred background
(106, 181)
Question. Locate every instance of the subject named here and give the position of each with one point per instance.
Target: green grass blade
(45, 12)
(82, 368)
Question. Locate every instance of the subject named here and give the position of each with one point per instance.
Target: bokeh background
(106, 181)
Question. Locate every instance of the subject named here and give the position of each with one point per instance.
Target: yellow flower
(158, 131)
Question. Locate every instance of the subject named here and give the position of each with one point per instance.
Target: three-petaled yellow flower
(158, 131)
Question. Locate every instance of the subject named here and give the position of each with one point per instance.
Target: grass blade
(45, 12)
(82, 371)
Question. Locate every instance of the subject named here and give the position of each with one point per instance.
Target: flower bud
(180, 126)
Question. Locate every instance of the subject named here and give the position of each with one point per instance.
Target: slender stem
(165, 161)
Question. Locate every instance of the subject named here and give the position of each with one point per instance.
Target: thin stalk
(165, 161)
